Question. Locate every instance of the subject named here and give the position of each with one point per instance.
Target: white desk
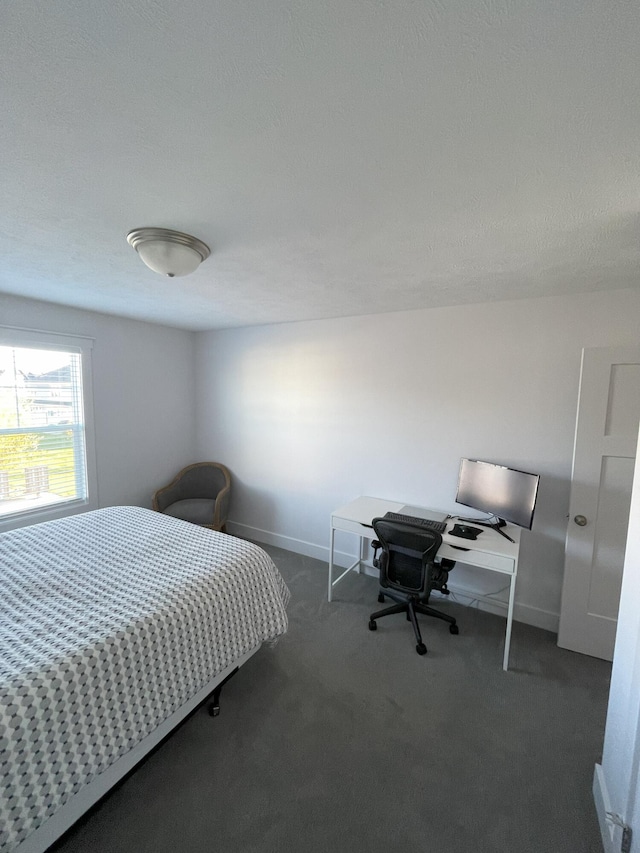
(489, 551)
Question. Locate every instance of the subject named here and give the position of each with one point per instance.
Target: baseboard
(521, 612)
(603, 805)
(534, 616)
(545, 619)
(288, 543)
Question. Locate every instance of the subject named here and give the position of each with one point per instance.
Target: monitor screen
(504, 492)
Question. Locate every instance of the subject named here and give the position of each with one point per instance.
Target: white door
(603, 462)
(615, 784)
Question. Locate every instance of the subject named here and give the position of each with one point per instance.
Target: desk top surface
(363, 509)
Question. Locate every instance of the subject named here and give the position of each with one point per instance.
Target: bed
(114, 625)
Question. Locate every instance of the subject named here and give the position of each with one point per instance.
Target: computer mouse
(465, 531)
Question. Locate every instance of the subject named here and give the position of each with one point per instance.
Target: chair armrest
(167, 495)
(221, 511)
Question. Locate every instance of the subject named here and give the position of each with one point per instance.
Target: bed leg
(214, 706)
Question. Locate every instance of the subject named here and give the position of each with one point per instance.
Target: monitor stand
(494, 525)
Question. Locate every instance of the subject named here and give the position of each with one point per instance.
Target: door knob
(580, 520)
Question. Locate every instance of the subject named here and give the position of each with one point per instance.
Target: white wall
(143, 392)
(310, 415)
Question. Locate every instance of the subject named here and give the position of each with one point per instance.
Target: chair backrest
(203, 480)
(407, 557)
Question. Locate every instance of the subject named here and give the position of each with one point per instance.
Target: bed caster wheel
(380, 597)
(214, 710)
(453, 629)
(372, 625)
(421, 649)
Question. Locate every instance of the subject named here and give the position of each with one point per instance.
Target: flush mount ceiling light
(168, 252)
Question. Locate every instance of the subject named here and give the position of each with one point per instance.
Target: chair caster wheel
(453, 629)
(372, 625)
(421, 649)
(380, 597)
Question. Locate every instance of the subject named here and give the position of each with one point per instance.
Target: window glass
(43, 435)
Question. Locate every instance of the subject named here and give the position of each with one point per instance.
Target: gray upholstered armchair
(199, 493)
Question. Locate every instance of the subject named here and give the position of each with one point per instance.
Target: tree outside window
(42, 429)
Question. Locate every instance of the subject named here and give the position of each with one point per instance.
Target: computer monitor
(506, 493)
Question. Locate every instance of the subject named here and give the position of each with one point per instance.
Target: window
(47, 467)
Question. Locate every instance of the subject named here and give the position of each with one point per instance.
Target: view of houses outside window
(42, 439)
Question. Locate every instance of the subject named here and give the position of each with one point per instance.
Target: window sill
(37, 514)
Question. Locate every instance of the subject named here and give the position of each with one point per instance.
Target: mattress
(109, 622)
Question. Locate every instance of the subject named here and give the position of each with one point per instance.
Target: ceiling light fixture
(168, 252)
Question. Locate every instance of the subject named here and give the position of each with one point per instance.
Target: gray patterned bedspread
(109, 621)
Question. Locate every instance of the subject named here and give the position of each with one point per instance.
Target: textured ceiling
(339, 157)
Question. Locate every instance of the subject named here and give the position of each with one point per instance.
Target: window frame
(35, 339)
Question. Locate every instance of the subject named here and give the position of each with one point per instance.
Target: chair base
(411, 606)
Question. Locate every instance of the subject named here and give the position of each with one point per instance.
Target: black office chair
(408, 573)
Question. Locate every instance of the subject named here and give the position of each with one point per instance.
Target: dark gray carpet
(341, 739)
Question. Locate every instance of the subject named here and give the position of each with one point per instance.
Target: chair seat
(195, 510)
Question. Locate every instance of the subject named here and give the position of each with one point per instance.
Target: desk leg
(507, 637)
(331, 541)
(360, 564)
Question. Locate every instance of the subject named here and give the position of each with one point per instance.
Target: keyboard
(426, 523)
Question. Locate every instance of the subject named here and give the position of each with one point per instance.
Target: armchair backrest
(202, 480)
(408, 552)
